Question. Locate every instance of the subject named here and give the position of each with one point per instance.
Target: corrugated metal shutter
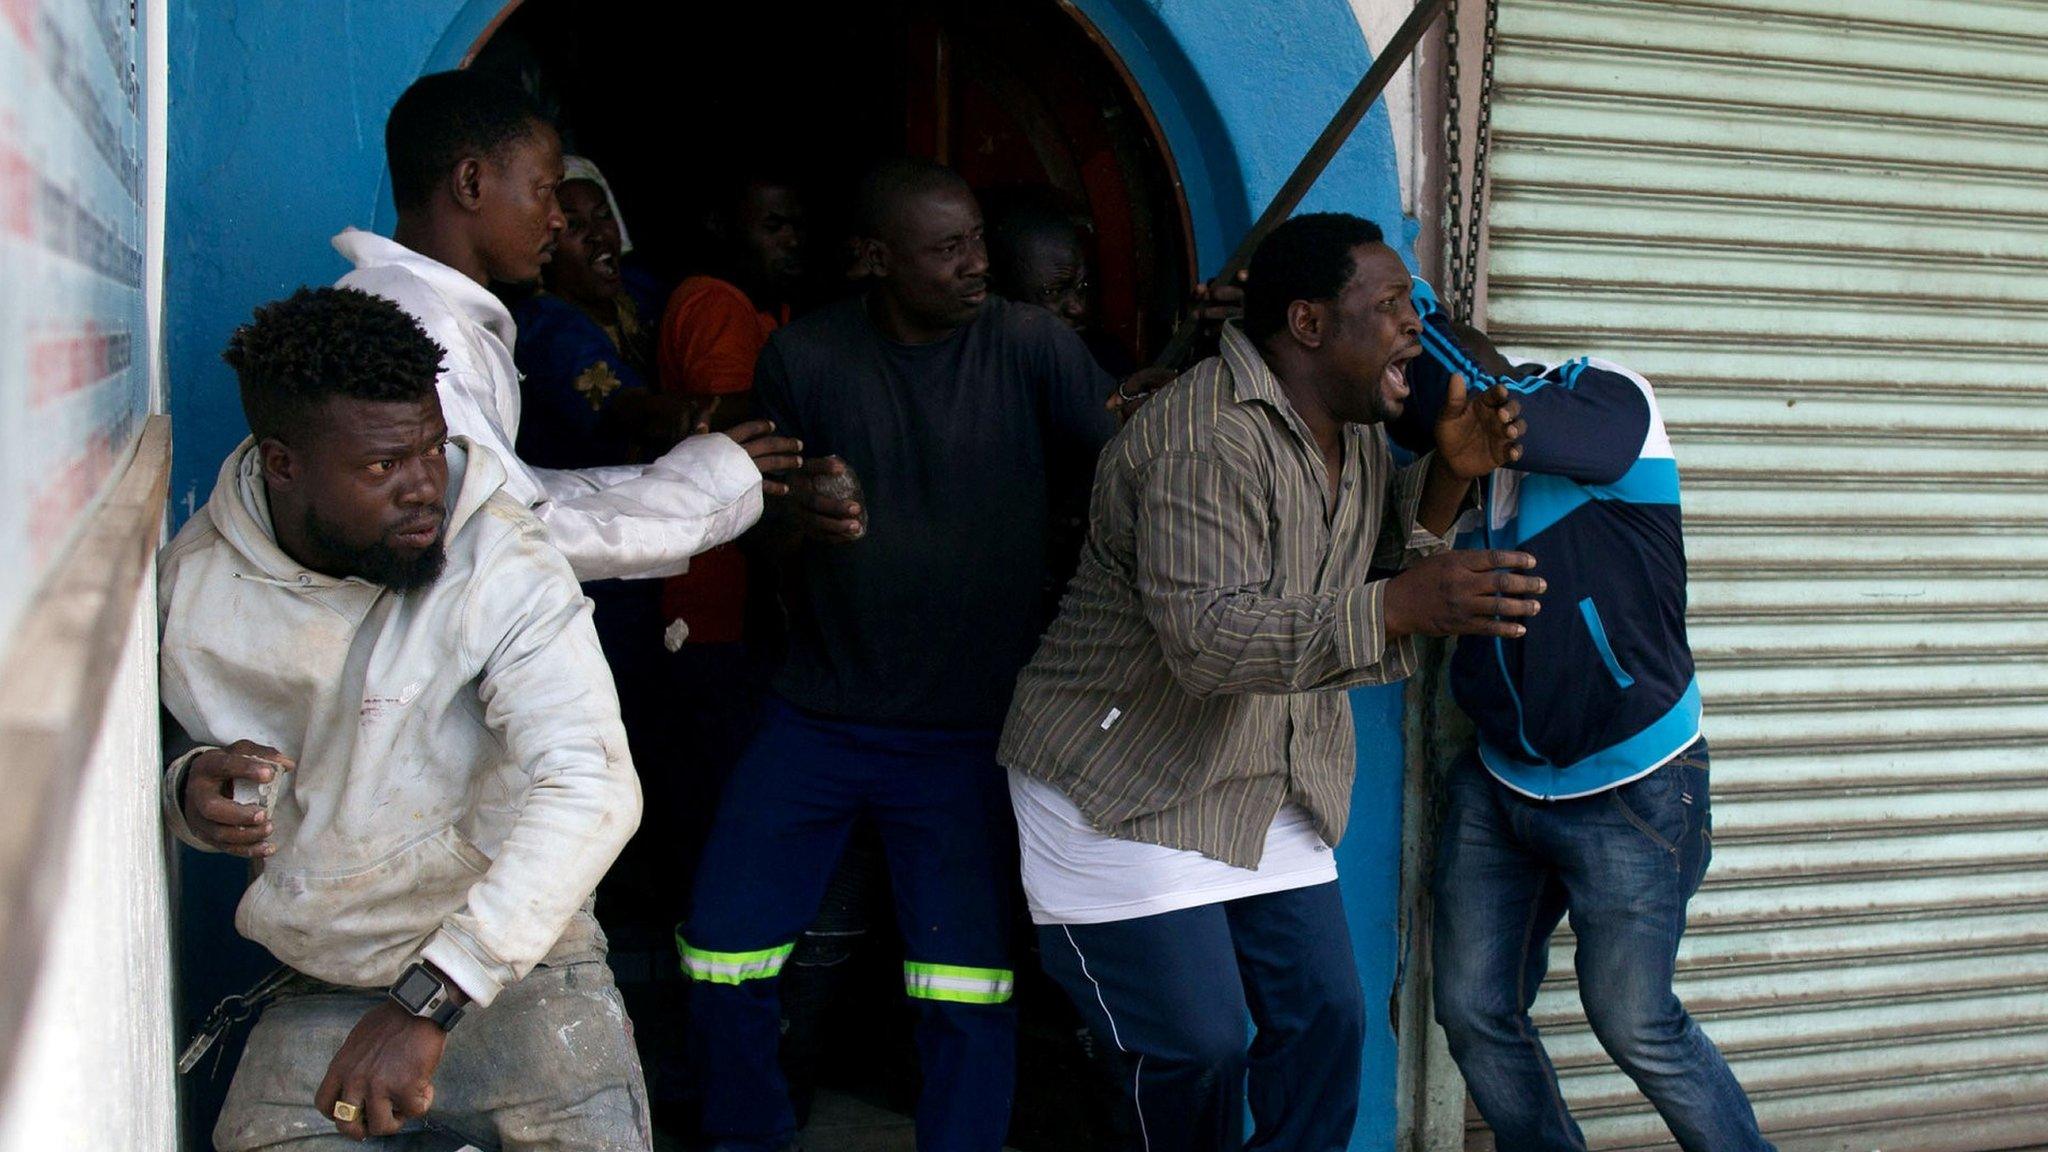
(1821, 227)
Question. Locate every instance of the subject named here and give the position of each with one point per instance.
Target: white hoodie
(462, 778)
(627, 521)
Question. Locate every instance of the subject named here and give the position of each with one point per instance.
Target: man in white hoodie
(474, 165)
(364, 630)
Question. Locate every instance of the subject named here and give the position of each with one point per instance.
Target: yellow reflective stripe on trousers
(731, 967)
(956, 984)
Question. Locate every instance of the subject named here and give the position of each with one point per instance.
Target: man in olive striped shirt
(1180, 761)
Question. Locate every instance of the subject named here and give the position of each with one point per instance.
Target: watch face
(415, 988)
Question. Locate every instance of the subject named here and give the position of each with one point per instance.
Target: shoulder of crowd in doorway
(706, 288)
(1011, 215)
(819, 335)
(1037, 333)
(708, 255)
(1031, 327)
(825, 332)
(542, 319)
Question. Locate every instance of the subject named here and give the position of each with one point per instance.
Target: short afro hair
(725, 194)
(447, 116)
(320, 343)
(884, 188)
(1018, 216)
(1306, 258)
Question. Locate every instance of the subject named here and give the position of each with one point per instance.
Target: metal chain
(230, 1012)
(1467, 289)
(1454, 141)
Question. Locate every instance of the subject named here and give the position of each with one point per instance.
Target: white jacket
(462, 778)
(627, 521)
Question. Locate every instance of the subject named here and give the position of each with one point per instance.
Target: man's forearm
(1443, 498)
(177, 765)
(566, 838)
(702, 494)
(1218, 644)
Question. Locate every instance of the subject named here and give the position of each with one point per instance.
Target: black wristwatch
(421, 991)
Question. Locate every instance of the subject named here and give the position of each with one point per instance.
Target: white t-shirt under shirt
(1076, 875)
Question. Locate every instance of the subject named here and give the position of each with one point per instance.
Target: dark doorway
(671, 101)
(666, 98)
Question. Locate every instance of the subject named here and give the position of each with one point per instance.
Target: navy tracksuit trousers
(1171, 992)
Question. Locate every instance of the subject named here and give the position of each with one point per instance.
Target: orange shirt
(711, 334)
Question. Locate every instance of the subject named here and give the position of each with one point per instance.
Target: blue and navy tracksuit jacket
(1601, 690)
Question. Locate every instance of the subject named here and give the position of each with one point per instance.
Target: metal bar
(1396, 53)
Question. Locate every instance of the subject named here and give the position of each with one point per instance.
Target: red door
(1023, 97)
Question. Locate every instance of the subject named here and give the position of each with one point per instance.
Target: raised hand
(1209, 305)
(1218, 300)
(1470, 593)
(1138, 387)
(1476, 434)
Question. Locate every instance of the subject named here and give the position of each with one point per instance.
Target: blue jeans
(1171, 993)
(1623, 862)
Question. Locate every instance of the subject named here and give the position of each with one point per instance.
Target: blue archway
(276, 144)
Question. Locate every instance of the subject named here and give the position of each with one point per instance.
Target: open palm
(1476, 434)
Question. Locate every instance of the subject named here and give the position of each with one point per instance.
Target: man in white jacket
(474, 167)
(364, 630)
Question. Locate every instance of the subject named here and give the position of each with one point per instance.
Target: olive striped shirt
(1185, 691)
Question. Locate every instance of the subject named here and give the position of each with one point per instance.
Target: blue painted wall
(276, 144)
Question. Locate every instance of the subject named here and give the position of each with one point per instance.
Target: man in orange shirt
(711, 332)
(714, 326)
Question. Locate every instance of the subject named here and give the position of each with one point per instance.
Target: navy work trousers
(942, 808)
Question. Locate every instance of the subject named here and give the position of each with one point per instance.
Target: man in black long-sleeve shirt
(966, 419)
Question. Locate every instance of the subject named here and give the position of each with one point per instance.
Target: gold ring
(346, 1112)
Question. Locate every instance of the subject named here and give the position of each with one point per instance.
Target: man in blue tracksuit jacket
(1587, 791)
